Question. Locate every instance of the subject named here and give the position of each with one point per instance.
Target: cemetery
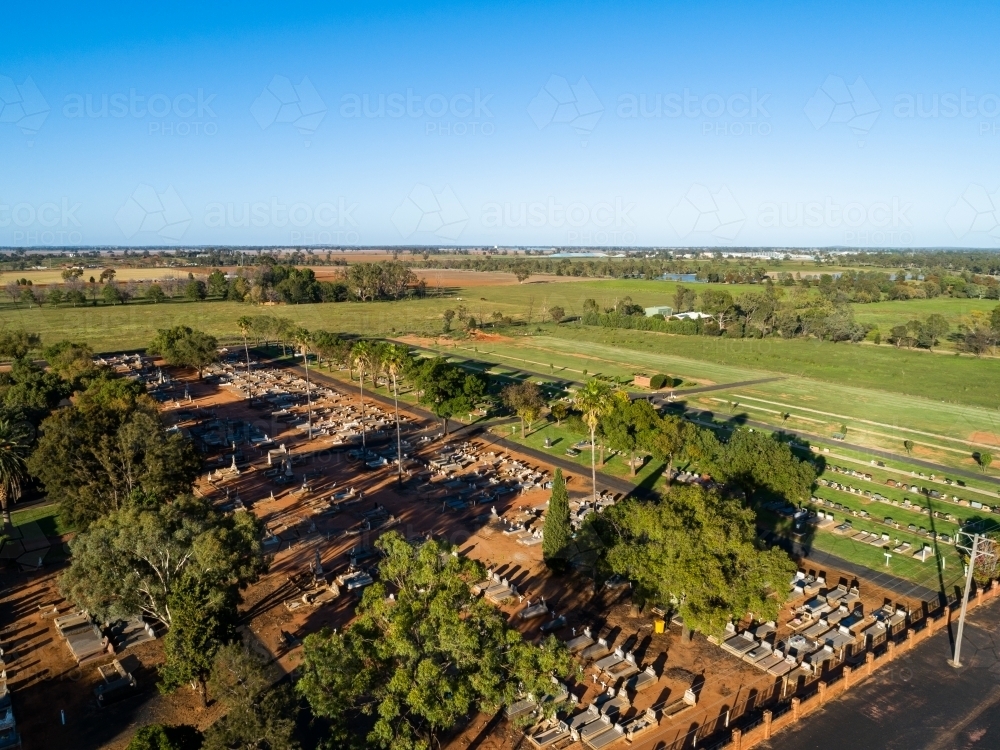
(327, 473)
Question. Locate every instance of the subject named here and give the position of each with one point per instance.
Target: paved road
(919, 702)
(719, 386)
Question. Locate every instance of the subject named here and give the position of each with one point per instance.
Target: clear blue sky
(517, 123)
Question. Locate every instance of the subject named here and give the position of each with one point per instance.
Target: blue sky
(517, 123)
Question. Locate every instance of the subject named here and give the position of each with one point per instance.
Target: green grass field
(946, 433)
(885, 315)
(561, 438)
(119, 327)
(964, 380)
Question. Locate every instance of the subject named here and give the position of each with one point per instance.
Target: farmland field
(885, 315)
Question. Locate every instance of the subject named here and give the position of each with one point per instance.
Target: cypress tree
(556, 533)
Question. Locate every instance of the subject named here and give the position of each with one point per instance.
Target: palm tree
(13, 464)
(284, 329)
(245, 323)
(303, 340)
(362, 354)
(394, 358)
(380, 350)
(594, 400)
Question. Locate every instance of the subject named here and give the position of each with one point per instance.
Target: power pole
(974, 552)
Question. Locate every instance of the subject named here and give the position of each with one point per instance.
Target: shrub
(659, 381)
(162, 737)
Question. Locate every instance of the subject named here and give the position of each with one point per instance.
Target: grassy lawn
(900, 470)
(885, 315)
(964, 380)
(516, 299)
(951, 424)
(561, 438)
(46, 516)
(904, 566)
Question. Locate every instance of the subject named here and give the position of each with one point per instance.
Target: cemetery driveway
(918, 702)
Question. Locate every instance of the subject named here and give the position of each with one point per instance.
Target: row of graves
(466, 474)
(334, 415)
(885, 540)
(821, 515)
(904, 486)
(905, 504)
(829, 627)
(129, 366)
(160, 386)
(582, 506)
(89, 640)
(623, 707)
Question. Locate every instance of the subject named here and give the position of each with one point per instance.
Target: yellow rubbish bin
(658, 625)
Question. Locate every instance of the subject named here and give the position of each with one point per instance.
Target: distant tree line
(980, 262)
(265, 283)
(773, 312)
